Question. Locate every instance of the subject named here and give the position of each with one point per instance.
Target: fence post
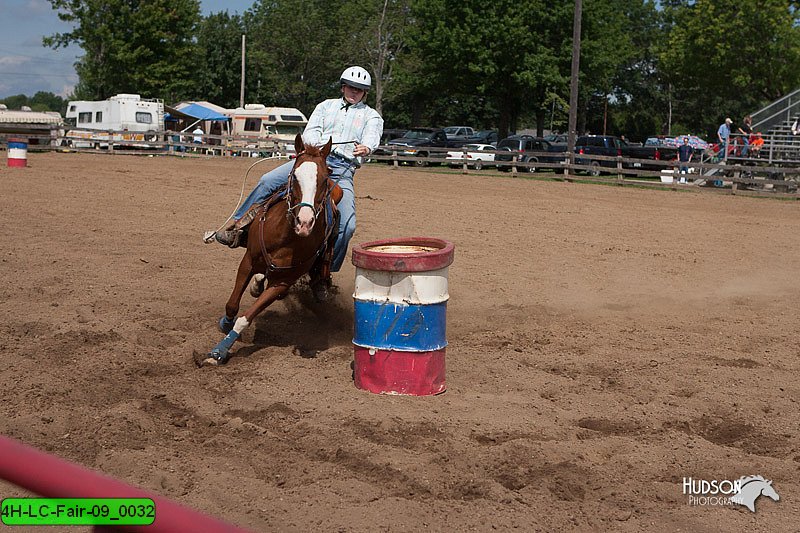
(619, 168)
(464, 159)
(514, 165)
(394, 158)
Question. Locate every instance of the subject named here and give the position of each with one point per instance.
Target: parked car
(528, 149)
(609, 145)
(484, 137)
(557, 139)
(388, 135)
(391, 134)
(424, 143)
(459, 132)
(475, 154)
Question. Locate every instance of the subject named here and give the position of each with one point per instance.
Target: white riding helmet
(356, 77)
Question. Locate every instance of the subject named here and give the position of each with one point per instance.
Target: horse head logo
(751, 487)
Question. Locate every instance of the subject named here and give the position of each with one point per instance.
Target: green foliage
(646, 66)
(219, 52)
(296, 54)
(131, 46)
(495, 60)
(41, 101)
(728, 59)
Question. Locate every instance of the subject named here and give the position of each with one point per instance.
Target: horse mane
(745, 480)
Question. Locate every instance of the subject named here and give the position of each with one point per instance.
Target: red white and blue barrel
(17, 152)
(401, 294)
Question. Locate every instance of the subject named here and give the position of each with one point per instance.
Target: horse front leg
(243, 275)
(221, 352)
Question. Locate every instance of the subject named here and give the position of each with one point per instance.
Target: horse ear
(298, 144)
(327, 148)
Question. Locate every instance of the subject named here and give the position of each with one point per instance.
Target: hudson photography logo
(743, 491)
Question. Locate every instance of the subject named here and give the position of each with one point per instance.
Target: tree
(295, 53)
(218, 72)
(131, 46)
(379, 29)
(730, 59)
(505, 55)
(41, 101)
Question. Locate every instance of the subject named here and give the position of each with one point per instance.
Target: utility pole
(573, 87)
(241, 91)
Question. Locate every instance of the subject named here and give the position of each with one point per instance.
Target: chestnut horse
(290, 236)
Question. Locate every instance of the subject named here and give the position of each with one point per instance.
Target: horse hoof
(226, 324)
(257, 285)
(212, 358)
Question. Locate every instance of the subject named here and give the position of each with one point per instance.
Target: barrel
(401, 294)
(17, 152)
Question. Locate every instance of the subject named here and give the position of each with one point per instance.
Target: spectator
(796, 126)
(723, 134)
(685, 152)
(746, 130)
(198, 135)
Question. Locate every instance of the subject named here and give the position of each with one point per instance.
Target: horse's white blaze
(240, 325)
(306, 175)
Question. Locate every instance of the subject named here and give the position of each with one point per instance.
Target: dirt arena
(604, 343)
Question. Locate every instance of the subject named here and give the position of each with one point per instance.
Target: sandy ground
(604, 343)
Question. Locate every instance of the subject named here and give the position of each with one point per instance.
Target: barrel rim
(442, 257)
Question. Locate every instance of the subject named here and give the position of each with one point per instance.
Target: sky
(27, 67)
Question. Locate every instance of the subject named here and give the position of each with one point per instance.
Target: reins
(290, 214)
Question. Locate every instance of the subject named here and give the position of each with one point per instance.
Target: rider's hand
(361, 150)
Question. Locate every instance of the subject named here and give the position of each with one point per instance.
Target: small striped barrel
(17, 152)
(401, 294)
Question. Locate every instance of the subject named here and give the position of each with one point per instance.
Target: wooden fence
(775, 171)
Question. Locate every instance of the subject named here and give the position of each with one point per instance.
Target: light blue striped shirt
(331, 119)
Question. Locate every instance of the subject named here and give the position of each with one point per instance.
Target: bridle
(293, 209)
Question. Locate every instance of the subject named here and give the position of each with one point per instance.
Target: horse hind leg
(243, 275)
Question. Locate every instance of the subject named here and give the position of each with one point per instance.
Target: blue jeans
(342, 174)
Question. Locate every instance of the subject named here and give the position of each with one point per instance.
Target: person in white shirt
(355, 129)
(198, 135)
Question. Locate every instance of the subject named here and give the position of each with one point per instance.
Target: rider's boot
(235, 234)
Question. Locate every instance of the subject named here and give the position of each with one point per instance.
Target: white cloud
(12, 61)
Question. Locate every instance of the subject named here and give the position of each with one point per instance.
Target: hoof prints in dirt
(735, 434)
(396, 433)
(609, 427)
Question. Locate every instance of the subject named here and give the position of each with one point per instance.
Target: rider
(356, 130)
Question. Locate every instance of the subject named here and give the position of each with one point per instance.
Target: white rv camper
(267, 129)
(129, 116)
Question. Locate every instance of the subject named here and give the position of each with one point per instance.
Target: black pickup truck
(611, 146)
(423, 143)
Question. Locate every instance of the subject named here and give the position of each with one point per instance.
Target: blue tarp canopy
(198, 112)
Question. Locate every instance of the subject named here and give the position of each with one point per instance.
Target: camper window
(284, 129)
(293, 118)
(85, 118)
(144, 118)
(98, 116)
(252, 124)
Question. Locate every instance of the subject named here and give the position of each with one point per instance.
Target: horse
(751, 488)
(292, 234)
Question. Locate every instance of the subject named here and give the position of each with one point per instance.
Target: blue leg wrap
(226, 324)
(220, 351)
